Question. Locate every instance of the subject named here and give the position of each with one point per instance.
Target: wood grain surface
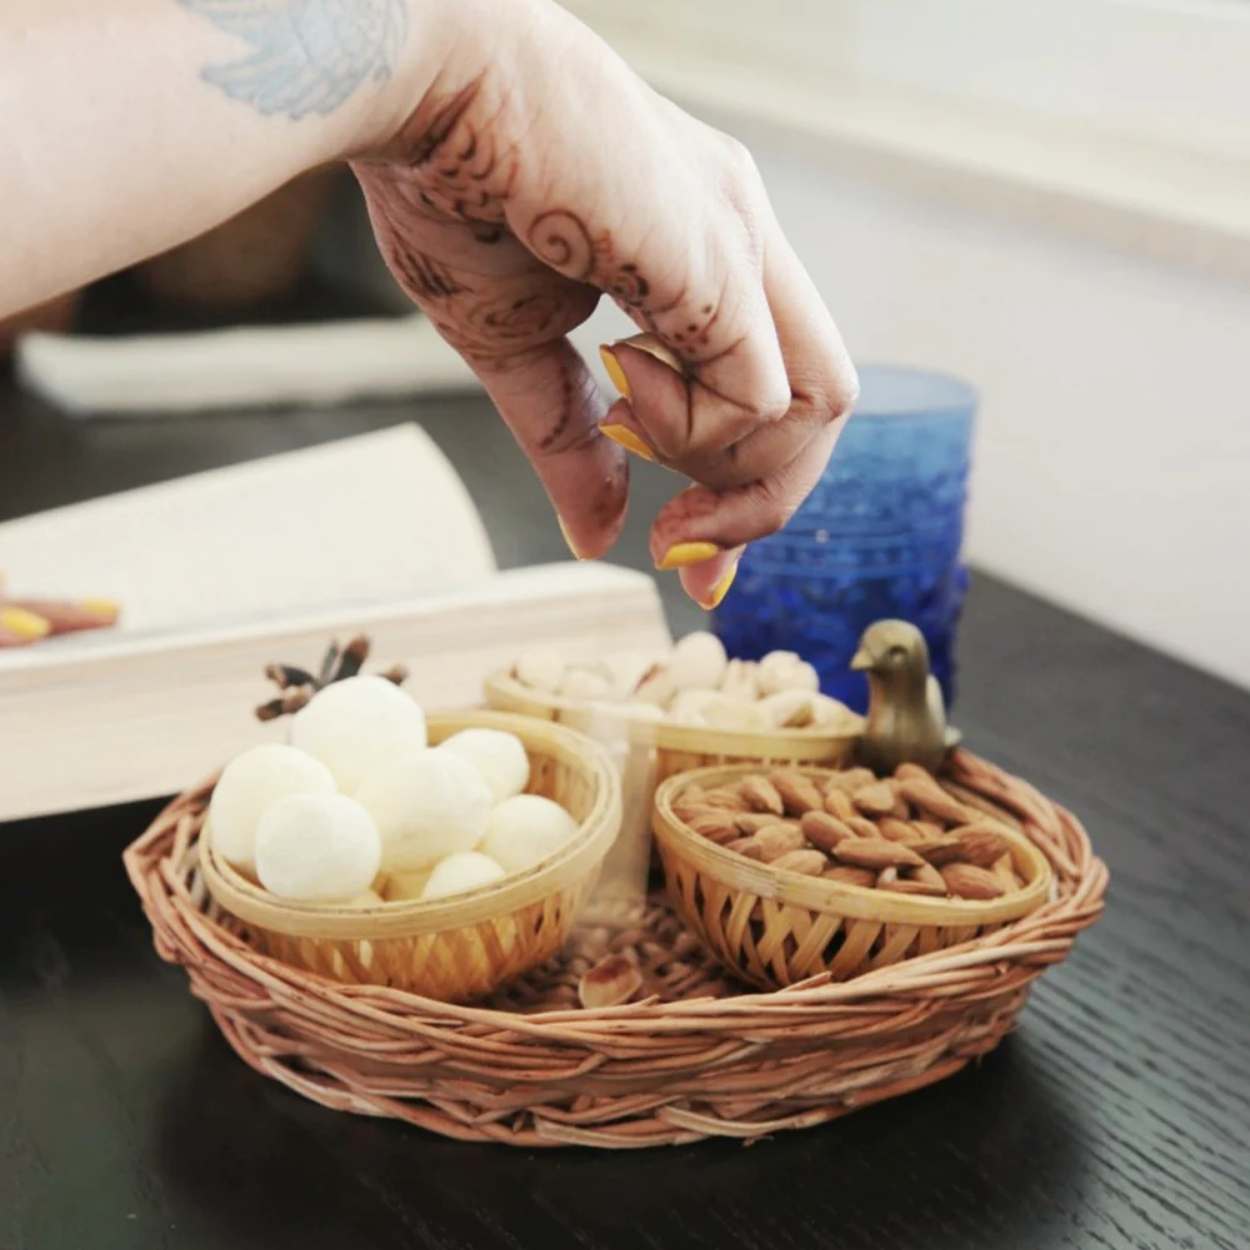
(1117, 1116)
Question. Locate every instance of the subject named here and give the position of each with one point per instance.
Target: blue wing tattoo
(307, 56)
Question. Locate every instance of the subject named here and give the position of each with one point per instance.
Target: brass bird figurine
(906, 712)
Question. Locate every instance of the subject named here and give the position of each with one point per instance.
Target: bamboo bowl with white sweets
(789, 872)
(691, 708)
(477, 928)
(444, 855)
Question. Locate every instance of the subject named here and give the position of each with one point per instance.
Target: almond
(727, 797)
(887, 876)
(809, 863)
(838, 803)
(897, 830)
(852, 779)
(797, 793)
(613, 980)
(929, 875)
(848, 874)
(714, 824)
(980, 844)
(862, 828)
(929, 828)
(939, 850)
(901, 808)
(874, 800)
(969, 881)
(761, 795)
(744, 846)
(912, 772)
(876, 853)
(908, 885)
(777, 840)
(932, 799)
(753, 822)
(823, 830)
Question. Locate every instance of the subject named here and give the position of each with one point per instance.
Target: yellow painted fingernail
(568, 538)
(625, 437)
(721, 589)
(615, 372)
(101, 607)
(682, 555)
(24, 624)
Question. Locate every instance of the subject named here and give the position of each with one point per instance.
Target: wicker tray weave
(699, 1058)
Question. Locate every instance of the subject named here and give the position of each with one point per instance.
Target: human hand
(538, 173)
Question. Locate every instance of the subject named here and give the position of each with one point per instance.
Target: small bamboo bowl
(678, 748)
(775, 928)
(468, 945)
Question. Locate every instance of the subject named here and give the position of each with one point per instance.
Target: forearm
(129, 127)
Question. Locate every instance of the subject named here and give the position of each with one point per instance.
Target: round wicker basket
(467, 945)
(698, 1058)
(776, 928)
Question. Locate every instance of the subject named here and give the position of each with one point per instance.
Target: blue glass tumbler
(880, 536)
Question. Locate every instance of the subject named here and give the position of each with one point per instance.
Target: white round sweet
(540, 668)
(250, 784)
(426, 804)
(689, 706)
(725, 711)
(499, 757)
(465, 870)
(783, 670)
(698, 662)
(317, 847)
(584, 683)
(739, 679)
(525, 829)
(657, 689)
(353, 723)
(626, 670)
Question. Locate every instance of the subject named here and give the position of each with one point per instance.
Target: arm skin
(515, 171)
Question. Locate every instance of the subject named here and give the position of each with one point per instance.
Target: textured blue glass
(879, 536)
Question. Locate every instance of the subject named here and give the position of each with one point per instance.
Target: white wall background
(1108, 332)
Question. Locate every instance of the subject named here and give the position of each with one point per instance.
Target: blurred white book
(222, 572)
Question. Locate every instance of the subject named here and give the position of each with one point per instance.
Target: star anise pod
(297, 685)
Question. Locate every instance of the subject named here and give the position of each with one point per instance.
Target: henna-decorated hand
(539, 173)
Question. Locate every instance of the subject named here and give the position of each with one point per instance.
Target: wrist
(428, 45)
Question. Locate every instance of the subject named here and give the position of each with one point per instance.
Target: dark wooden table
(1117, 1116)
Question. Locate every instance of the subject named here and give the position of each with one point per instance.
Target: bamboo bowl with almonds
(782, 882)
(466, 945)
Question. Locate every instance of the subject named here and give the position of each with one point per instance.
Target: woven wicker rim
(650, 1073)
(598, 719)
(406, 917)
(820, 894)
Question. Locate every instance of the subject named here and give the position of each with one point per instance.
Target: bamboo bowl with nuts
(466, 945)
(780, 887)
